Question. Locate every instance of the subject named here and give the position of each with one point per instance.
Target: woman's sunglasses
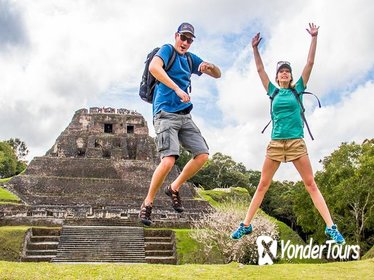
(185, 38)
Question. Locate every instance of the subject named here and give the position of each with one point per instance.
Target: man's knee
(202, 158)
(168, 162)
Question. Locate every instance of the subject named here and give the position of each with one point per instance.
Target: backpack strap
(189, 60)
(190, 64)
(170, 62)
(172, 58)
(174, 55)
(298, 98)
(271, 106)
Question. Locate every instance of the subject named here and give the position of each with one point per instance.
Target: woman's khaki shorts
(286, 150)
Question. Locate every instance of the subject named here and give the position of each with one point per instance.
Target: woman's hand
(313, 29)
(256, 40)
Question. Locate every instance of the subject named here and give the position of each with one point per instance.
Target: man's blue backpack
(297, 96)
(148, 83)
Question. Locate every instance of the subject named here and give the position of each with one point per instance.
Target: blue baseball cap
(186, 28)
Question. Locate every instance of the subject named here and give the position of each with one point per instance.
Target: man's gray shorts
(173, 130)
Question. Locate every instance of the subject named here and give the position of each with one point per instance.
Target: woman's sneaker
(334, 234)
(241, 231)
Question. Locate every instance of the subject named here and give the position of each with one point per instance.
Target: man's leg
(190, 169)
(191, 139)
(158, 177)
(166, 126)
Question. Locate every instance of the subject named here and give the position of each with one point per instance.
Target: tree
(8, 160)
(19, 148)
(347, 183)
(220, 171)
(278, 202)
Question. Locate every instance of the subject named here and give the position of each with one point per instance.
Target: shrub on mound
(214, 230)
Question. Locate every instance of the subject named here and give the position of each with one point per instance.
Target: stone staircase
(160, 246)
(101, 244)
(100, 222)
(41, 245)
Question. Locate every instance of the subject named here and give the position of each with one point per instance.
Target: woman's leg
(304, 168)
(268, 170)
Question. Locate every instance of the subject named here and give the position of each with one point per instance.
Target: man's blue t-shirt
(286, 113)
(165, 98)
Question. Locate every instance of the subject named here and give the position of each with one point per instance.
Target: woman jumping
(287, 142)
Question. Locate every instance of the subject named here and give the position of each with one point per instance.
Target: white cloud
(74, 54)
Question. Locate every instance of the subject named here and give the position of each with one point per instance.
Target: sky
(58, 56)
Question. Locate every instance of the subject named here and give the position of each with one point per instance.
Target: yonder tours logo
(267, 248)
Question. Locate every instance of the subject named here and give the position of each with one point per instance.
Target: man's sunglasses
(185, 38)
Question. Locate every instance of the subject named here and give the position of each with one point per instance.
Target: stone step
(35, 239)
(87, 238)
(99, 260)
(42, 246)
(94, 246)
(101, 244)
(94, 232)
(161, 260)
(99, 222)
(163, 253)
(41, 252)
(159, 246)
(157, 239)
(97, 235)
(46, 258)
(67, 189)
(158, 233)
(46, 231)
(101, 255)
(88, 167)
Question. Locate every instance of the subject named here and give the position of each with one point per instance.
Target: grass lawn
(186, 246)
(6, 197)
(5, 180)
(338, 270)
(11, 241)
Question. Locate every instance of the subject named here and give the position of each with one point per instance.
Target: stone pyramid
(99, 168)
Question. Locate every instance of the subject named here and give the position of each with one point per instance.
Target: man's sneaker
(334, 234)
(175, 199)
(145, 214)
(241, 231)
